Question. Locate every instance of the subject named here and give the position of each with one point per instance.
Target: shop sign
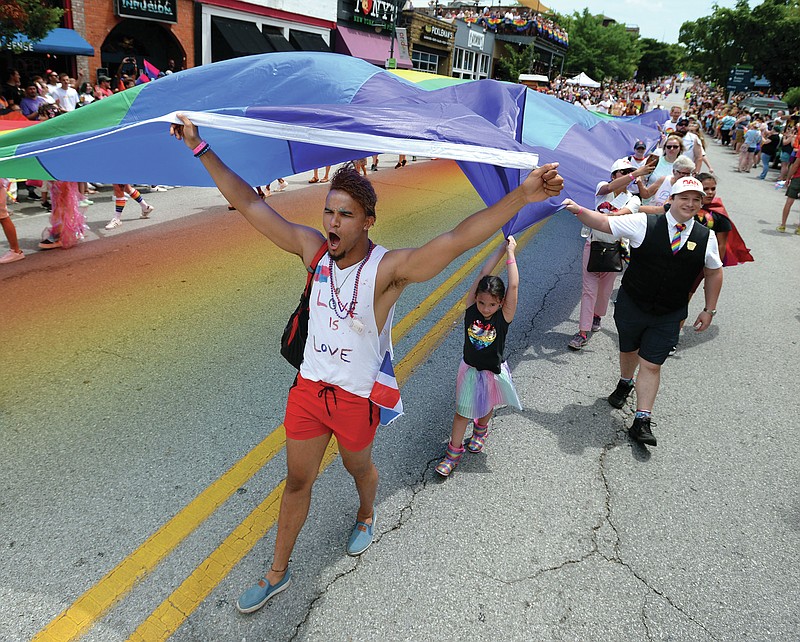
(402, 40)
(437, 34)
(20, 47)
(476, 39)
(161, 10)
(374, 11)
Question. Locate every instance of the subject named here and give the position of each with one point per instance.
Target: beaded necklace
(336, 304)
(338, 288)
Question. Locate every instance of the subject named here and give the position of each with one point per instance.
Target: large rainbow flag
(279, 114)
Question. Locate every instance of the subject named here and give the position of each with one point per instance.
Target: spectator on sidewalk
(668, 252)
(726, 127)
(787, 138)
(747, 150)
(86, 94)
(792, 192)
(769, 147)
(65, 96)
(13, 92)
(316, 178)
(692, 147)
(14, 252)
(32, 101)
(103, 87)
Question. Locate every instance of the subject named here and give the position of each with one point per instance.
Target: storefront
(58, 51)
(472, 54)
(432, 41)
(372, 31)
(125, 33)
(229, 29)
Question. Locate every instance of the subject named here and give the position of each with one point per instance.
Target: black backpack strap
(313, 267)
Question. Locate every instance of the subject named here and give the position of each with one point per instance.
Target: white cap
(621, 163)
(687, 184)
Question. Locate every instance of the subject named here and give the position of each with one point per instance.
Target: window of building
(483, 66)
(465, 64)
(424, 61)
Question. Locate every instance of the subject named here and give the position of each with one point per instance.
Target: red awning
(372, 47)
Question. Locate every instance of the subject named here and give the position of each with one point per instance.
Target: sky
(658, 19)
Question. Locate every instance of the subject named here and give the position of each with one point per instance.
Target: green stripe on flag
(100, 114)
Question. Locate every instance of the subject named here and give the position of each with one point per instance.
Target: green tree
(516, 61)
(32, 18)
(718, 42)
(792, 97)
(775, 41)
(602, 52)
(766, 38)
(659, 59)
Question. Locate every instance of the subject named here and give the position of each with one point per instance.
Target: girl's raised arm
(512, 289)
(485, 271)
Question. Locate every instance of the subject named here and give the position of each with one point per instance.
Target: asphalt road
(143, 372)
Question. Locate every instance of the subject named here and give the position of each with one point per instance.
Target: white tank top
(343, 349)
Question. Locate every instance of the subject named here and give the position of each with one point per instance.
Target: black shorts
(793, 190)
(653, 335)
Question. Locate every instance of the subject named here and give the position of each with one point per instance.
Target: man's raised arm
(423, 263)
(296, 239)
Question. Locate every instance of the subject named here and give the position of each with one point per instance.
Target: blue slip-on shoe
(361, 537)
(257, 596)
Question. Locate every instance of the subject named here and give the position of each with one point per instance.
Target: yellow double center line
(171, 613)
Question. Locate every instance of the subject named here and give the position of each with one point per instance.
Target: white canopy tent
(583, 80)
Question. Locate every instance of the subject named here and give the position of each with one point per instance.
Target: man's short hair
(683, 121)
(347, 179)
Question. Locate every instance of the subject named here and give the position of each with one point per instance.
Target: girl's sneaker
(451, 458)
(478, 438)
(578, 341)
(596, 323)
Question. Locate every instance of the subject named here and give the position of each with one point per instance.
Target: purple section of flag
(151, 71)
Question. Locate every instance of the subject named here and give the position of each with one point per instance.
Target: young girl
(732, 248)
(484, 380)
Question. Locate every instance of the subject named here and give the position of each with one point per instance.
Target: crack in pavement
(406, 513)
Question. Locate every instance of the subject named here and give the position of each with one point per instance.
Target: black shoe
(641, 433)
(32, 195)
(47, 206)
(618, 397)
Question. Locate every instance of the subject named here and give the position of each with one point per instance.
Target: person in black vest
(668, 252)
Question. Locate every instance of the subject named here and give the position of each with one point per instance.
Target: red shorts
(316, 408)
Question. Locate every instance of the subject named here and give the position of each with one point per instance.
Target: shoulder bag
(605, 257)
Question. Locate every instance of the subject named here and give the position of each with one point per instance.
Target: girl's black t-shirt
(484, 339)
